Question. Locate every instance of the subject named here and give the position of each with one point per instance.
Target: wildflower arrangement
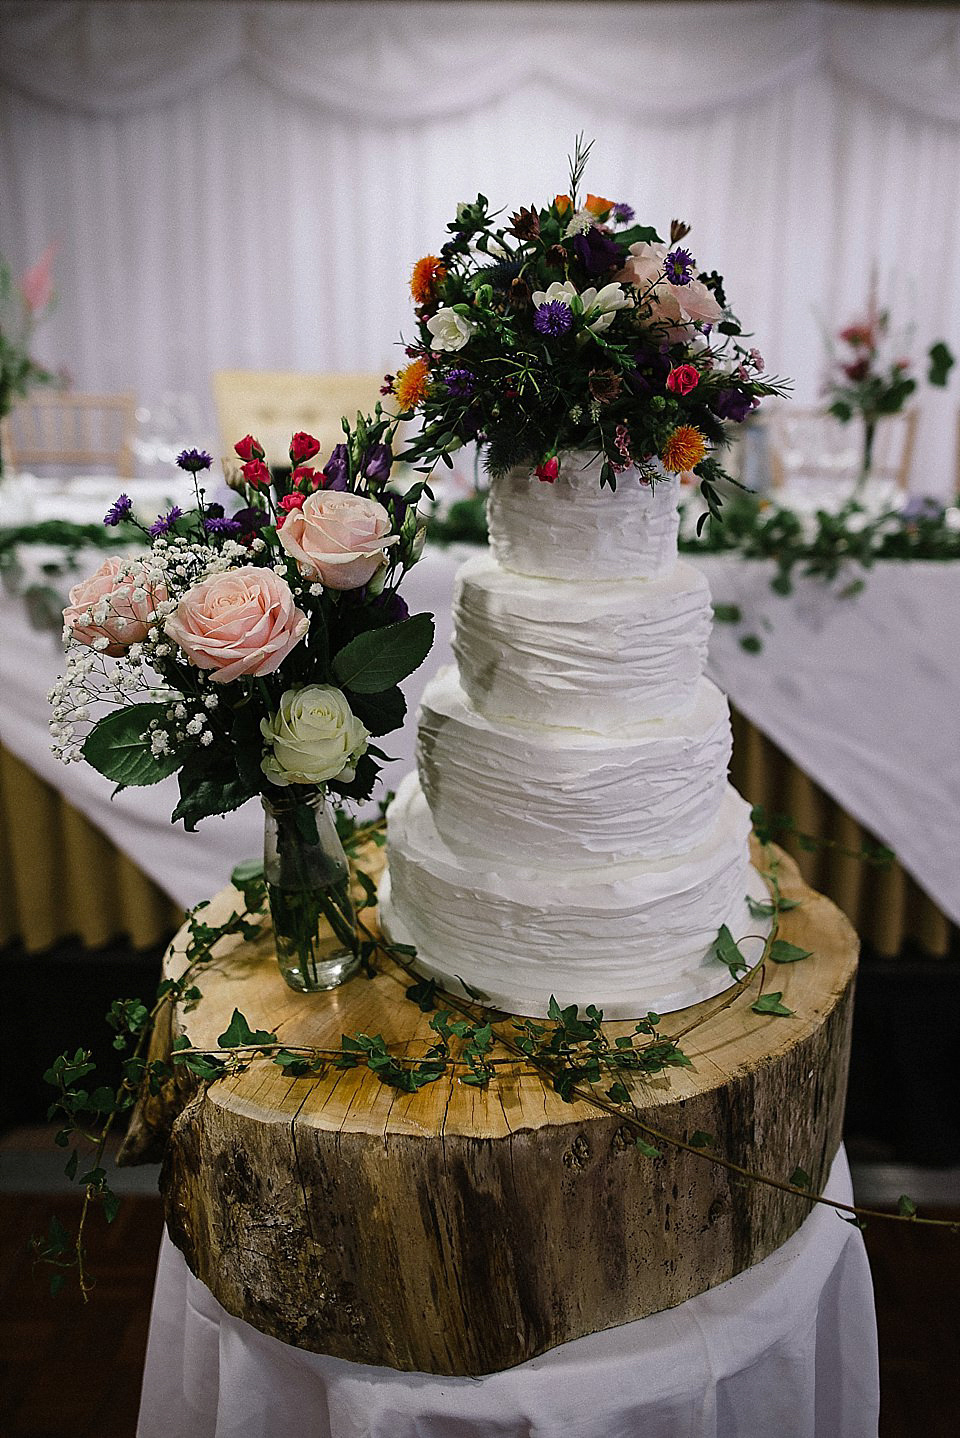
(23, 304)
(252, 651)
(572, 327)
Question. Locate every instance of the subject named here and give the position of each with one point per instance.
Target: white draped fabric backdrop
(248, 185)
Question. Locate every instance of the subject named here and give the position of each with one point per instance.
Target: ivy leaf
(111, 1205)
(727, 613)
(751, 644)
(239, 1034)
(906, 1206)
(771, 1004)
(941, 363)
(618, 1093)
(726, 949)
(701, 1139)
(114, 747)
(783, 953)
(424, 995)
(380, 658)
(647, 1149)
(800, 1178)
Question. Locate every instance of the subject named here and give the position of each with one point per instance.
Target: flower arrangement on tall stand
(571, 328)
(23, 304)
(869, 375)
(258, 654)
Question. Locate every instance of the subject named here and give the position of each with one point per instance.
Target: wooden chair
(92, 432)
(810, 444)
(273, 405)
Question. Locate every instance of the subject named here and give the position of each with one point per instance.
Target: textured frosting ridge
(573, 529)
(629, 937)
(571, 797)
(598, 655)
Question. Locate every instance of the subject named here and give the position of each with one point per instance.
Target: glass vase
(308, 885)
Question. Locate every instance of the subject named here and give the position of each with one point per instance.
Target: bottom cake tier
(628, 937)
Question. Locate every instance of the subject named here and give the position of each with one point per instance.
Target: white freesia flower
(314, 736)
(450, 331)
(600, 306)
(562, 290)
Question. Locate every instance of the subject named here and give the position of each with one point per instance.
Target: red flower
(249, 448)
(548, 470)
(306, 478)
(303, 446)
(288, 503)
(255, 472)
(683, 379)
(857, 371)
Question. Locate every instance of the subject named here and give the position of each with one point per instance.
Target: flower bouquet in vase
(258, 654)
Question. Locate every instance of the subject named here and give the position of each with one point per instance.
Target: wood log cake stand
(462, 1230)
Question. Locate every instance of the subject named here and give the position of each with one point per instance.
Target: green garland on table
(44, 602)
(569, 1050)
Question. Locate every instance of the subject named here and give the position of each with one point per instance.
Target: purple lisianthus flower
(119, 510)
(554, 318)
(250, 520)
(460, 383)
(219, 524)
(376, 463)
(921, 506)
(678, 267)
(623, 214)
(194, 460)
(597, 251)
(392, 606)
(336, 468)
(165, 522)
(732, 404)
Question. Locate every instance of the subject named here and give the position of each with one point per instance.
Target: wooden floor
(73, 1371)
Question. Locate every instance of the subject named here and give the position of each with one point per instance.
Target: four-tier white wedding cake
(571, 830)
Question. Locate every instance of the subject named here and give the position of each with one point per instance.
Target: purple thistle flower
(194, 460)
(165, 522)
(460, 383)
(119, 510)
(554, 318)
(678, 267)
(219, 524)
(623, 214)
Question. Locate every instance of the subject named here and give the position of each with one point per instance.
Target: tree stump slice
(460, 1230)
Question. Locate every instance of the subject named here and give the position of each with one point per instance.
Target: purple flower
(250, 520)
(622, 214)
(165, 522)
(597, 251)
(337, 468)
(391, 605)
(120, 509)
(678, 267)
(554, 318)
(921, 506)
(376, 463)
(460, 383)
(732, 404)
(194, 460)
(219, 524)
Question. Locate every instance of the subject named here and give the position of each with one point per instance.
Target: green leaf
(647, 1149)
(726, 949)
(424, 995)
(618, 1093)
(114, 747)
(249, 872)
(111, 1205)
(701, 1139)
(382, 712)
(800, 1178)
(240, 1034)
(71, 1166)
(941, 363)
(208, 796)
(382, 657)
(771, 1004)
(727, 613)
(751, 644)
(783, 953)
(906, 1206)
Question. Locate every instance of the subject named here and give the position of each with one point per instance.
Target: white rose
(450, 331)
(315, 736)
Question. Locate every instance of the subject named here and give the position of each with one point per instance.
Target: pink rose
(549, 470)
(303, 446)
(242, 621)
(672, 306)
(249, 448)
(338, 538)
(683, 379)
(697, 302)
(104, 606)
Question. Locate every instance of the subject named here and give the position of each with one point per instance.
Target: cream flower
(450, 331)
(314, 736)
(600, 306)
(562, 290)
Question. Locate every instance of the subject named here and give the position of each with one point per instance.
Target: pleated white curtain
(248, 185)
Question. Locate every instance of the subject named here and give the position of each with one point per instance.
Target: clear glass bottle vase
(308, 885)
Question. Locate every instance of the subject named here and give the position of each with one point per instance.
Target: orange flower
(598, 206)
(410, 385)
(427, 274)
(561, 204)
(684, 449)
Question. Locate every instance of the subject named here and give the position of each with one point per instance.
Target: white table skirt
(786, 1350)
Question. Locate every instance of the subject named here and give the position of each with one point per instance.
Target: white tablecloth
(786, 1350)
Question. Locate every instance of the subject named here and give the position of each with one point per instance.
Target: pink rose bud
(255, 472)
(249, 448)
(338, 538)
(549, 470)
(103, 606)
(239, 622)
(683, 379)
(303, 446)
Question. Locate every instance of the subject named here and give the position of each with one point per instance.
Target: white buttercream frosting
(598, 655)
(570, 797)
(573, 529)
(626, 936)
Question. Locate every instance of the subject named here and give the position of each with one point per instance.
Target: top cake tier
(573, 529)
